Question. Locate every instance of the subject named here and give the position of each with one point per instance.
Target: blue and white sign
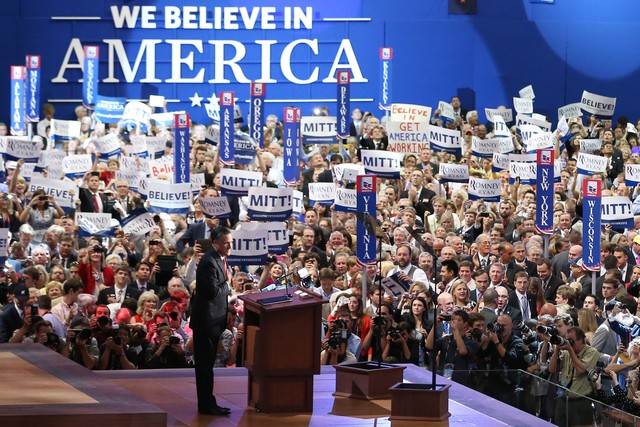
(484, 189)
(20, 149)
(90, 75)
(138, 223)
(77, 166)
(322, 193)
(346, 200)
(486, 147)
(61, 190)
(94, 224)
(445, 140)
(540, 141)
(366, 187)
(270, 204)
(525, 171)
(109, 109)
(589, 146)
(108, 146)
(236, 182)
(386, 57)
(169, 198)
(256, 112)
(588, 164)
(18, 97)
(616, 210)
(544, 191)
(155, 146)
(181, 149)
(601, 106)
(135, 114)
(215, 207)
(249, 247)
(505, 113)
(632, 174)
(343, 108)
(298, 205)
(226, 147)
(64, 130)
(245, 148)
(33, 88)
(451, 172)
(291, 167)
(591, 223)
(384, 164)
(277, 234)
(318, 130)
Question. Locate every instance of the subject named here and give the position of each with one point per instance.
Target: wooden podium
(282, 351)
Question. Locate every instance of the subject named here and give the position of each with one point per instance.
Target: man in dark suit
(196, 231)
(625, 268)
(560, 262)
(419, 195)
(520, 258)
(91, 200)
(11, 318)
(209, 317)
(490, 298)
(308, 237)
(521, 299)
(550, 283)
(502, 306)
(121, 289)
(506, 252)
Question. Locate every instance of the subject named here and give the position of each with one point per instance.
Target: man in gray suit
(209, 317)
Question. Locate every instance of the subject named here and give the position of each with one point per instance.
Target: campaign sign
(484, 189)
(347, 171)
(522, 120)
(563, 127)
(602, 106)
(588, 164)
(527, 93)
(33, 88)
(451, 172)
(226, 148)
(589, 146)
(499, 162)
(591, 223)
(270, 204)
(138, 223)
(298, 205)
(77, 166)
(318, 130)
(90, 75)
(291, 170)
(18, 95)
(386, 56)
(346, 200)
(64, 130)
(631, 175)
(155, 146)
(486, 147)
(90, 222)
(136, 113)
(60, 190)
(523, 106)
(256, 112)
(445, 140)
(4, 243)
(447, 113)
(245, 148)
(570, 110)
(143, 183)
(109, 109)
(20, 149)
(108, 146)
(164, 120)
(197, 183)
(181, 148)
(540, 141)
(50, 159)
(408, 137)
(616, 210)
(137, 146)
(277, 234)
(131, 178)
(169, 198)
(322, 192)
(366, 187)
(162, 166)
(384, 164)
(544, 191)
(249, 247)
(236, 182)
(215, 207)
(505, 113)
(500, 128)
(410, 113)
(529, 131)
(525, 171)
(343, 108)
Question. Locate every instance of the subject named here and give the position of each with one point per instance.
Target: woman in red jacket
(93, 271)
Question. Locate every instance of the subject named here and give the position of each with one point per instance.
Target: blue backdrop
(560, 49)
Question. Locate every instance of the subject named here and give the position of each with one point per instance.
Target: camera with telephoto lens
(597, 371)
(547, 330)
(395, 334)
(476, 334)
(496, 328)
(558, 340)
(338, 334)
(528, 336)
(103, 321)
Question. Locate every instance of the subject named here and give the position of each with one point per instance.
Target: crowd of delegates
(484, 298)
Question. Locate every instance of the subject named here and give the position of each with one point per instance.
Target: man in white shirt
(407, 270)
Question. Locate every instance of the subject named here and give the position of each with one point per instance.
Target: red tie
(96, 206)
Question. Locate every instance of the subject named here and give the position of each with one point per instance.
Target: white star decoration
(213, 99)
(196, 100)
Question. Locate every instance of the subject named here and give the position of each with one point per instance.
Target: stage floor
(38, 388)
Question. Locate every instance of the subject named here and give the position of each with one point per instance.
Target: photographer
(456, 348)
(340, 333)
(538, 388)
(573, 358)
(382, 323)
(115, 353)
(167, 352)
(81, 347)
(400, 346)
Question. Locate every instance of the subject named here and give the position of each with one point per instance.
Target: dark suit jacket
(209, 307)
(512, 269)
(424, 203)
(86, 201)
(514, 313)
(489, 315)
(550, 292)
(533, 308)
(560, 263)
(193, 232)
(10, 320)
(322, 254)
(130, 292)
